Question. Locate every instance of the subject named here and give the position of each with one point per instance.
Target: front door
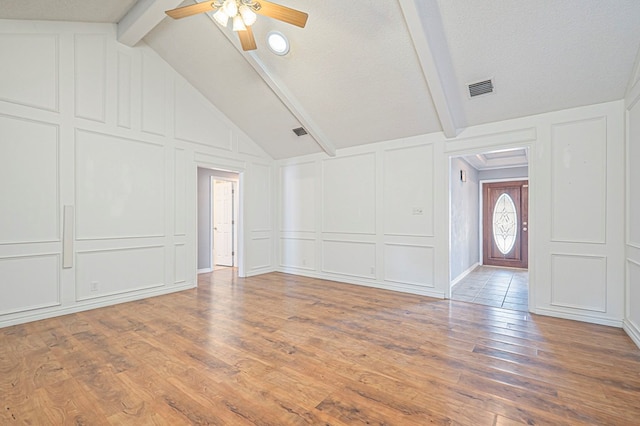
(505, 223)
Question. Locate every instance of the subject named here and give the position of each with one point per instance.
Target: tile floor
(492, 286)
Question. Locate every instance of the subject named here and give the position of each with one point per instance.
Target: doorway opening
(219, 227)
(489, 226)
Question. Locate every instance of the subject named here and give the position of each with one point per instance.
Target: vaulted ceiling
(363, 71)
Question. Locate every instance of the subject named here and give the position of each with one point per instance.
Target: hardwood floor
(279, 350)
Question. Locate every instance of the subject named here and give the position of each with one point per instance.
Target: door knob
(524, 229)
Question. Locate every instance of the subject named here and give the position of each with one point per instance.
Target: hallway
(492, 286)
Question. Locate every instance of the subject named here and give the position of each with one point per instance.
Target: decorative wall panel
(124, 90)
(249, 147)
(409, 264)
(260, 256)
(633, 171)
(120, 186)
(349, 194)
(579, 282)
(408, 191)
(90, 76)
(153, 94)
(109, 272)
(579, 181)
(349, 258)
(197, 121)
(260, 193)
(29, 282)
(633, 277)
(28, 181)
(180, 266)
(298, 209)
(298, 253)
(180, 188)
(30, 63)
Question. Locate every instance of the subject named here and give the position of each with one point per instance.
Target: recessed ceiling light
(278, 43)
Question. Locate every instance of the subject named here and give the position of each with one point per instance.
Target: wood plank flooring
(284, 350)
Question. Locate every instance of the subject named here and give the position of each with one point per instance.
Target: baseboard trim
(383, 285)
(632, 330)
(579, 317)
(260, 271)
(464, 274)
(205, 270)
(92, 304)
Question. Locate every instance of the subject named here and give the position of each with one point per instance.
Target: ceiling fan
(243, 15)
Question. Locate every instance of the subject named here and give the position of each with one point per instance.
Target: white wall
(378, 215)
(365, 216)
(632, 313)
(465, 219)
(117, 134)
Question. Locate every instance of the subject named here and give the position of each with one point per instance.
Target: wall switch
(417, 211)
(94, 286)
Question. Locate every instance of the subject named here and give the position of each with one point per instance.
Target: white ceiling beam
(284, 94)
(142, 18)
(427, 32)
(292, 104)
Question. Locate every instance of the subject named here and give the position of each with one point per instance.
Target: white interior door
(223, 222)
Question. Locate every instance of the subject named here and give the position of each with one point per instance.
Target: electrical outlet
(373, 270)
(94, 286)
(304, 262)
(417, 211)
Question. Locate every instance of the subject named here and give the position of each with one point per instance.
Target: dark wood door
(505, 223)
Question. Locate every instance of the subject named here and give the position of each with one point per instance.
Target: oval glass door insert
(505, 223)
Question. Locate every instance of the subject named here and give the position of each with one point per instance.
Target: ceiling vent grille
(480, 88)
(300, 131)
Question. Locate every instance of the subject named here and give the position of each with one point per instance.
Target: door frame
(240, 243)
(481, 213)
(466, 149)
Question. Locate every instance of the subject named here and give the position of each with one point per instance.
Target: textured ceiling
(369, 70)
(499, 159)
(66, 10)
(543, 55)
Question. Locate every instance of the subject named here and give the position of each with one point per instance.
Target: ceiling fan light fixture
(278, 43)
(221, 17)
(238, 24)
(230, 7)
(248, 16)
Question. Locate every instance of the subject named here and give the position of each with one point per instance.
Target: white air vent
(300, 131)
(480, 88)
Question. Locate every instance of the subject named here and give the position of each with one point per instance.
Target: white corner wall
(378, 215)
(465, 219)
(116, 134)
(632, 311)
(366, 216)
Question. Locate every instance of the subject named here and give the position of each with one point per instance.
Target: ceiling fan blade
(193, 9)
(283, 13)
(247, 40)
